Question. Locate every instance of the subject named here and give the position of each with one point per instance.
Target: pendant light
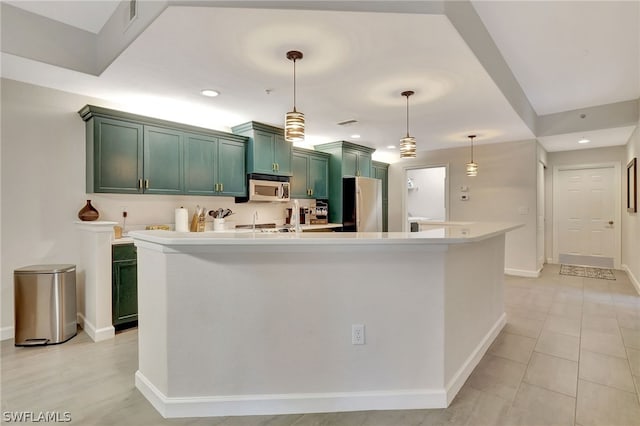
(294, 120)
(408, 143)
(472, 168)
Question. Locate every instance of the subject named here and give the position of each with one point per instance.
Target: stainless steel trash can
(44, 304)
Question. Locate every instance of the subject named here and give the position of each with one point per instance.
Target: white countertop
(445, 233)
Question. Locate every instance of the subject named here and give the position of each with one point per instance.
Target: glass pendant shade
(294, 126)
(472, 169)
(294, 120)
(408, 147)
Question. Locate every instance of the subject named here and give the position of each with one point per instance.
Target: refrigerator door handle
(358, 207)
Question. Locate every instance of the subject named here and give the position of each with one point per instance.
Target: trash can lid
(45, 269)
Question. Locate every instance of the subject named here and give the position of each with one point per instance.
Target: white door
(586, 211)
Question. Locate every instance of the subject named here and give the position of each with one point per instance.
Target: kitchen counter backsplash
(160, 209)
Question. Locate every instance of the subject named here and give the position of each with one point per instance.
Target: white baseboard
(633, 278)
(461, 376)
(271, 404)
(522, 272)
(235, 405)
(96, 334)
(6, 333)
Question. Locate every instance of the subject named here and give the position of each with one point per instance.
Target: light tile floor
(569, 355)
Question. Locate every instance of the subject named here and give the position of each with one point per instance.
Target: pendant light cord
(294, 85)
(407, 115)
(471, 137)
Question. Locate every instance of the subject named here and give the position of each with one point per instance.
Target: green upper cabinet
(214, 166)
(163, 163)
(200, 158)
(381, 171)
(346, 159)
(267, 151)
(310, 174)
(128, 153)
(232, 174)
(114, 156)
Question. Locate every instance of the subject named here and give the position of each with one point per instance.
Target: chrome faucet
(296, 214)
(255, 217)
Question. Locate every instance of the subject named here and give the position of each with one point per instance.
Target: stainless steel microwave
(268, 188)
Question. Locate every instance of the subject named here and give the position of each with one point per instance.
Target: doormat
(585, 271)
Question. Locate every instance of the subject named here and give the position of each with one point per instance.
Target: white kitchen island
(261, 323)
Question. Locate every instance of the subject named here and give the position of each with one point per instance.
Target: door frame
(405, 225)
(617, 182)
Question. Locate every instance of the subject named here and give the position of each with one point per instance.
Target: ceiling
(355, 66)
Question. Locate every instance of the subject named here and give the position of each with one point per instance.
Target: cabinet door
(200, 157)
(382, 174)
(319, 176)
(124, 284)
(125, 292)
(163, 164)
(349, 163)
(282, 155)
(299, 183)
(117, 156)
(364, 164)
(232, 175)
(263, 152)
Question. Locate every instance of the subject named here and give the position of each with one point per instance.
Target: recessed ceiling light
(210, 93)
(391, 147)
(355, 136)
(583, 140)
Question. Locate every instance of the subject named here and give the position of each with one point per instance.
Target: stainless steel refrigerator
(361, 204)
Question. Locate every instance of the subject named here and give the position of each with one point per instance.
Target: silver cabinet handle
(146, 183)
(222, 187)
(140, 183)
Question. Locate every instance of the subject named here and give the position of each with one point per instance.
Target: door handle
(610, 222)
(146, 183)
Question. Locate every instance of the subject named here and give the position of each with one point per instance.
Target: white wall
(43, 187)
(631, 221)
(503, 191)
(427, 196)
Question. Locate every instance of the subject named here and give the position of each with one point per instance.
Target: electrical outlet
(357, 334)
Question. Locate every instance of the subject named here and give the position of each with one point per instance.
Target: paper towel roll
(182, 220)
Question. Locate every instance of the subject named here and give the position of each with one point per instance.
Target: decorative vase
(88, 212)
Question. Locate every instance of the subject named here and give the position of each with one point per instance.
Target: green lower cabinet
(124, 285)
